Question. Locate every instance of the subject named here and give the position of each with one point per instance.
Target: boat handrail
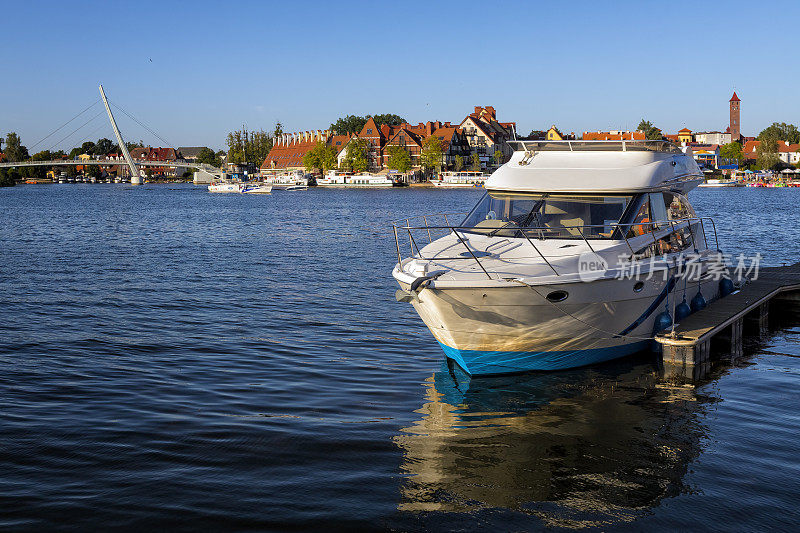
(596, 146)
(661, 229)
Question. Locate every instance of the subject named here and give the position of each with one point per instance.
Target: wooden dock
(721, 327)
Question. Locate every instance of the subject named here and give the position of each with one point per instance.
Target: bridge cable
(162, 139)
(61, 126)
(79, 127)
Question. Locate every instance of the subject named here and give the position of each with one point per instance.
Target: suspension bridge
(132, 164)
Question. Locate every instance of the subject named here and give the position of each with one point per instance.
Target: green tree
(75, 152)
(498, 157)
(650, 131)
(248, 146)
(237, 142)
(476, 162)
(103, 147)
(207, 156)
(389, 118)
(278, 129)
(37, 172)
(260, 146)
(431, 155)
(767, 153)
(537, 135)
(14, 151)
(356, 157)
(458, 164)
(9, 177)
(321, 156)
(781, 131)
(399, 159)
(349, 124)
(87, 147)
(731, 151)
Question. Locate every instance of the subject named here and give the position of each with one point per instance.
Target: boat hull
(489, 331)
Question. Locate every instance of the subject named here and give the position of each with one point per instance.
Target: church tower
(735, 125)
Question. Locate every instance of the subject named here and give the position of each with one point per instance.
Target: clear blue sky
(218, 65)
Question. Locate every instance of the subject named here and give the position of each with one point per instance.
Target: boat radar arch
(596, 166)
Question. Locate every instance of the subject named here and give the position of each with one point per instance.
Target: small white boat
(257, 188)
(722, 183)
(570, 258)
(225, 186)
(335, 178)
(286, 180)
(465, 178)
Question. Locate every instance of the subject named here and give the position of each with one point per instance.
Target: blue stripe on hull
(479, 363)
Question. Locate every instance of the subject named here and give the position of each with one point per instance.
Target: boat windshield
(550, 215)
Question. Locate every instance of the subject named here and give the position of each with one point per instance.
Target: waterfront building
(713, 137)
(411, 140)
(454, 143)
(614, 135)
(339, 143)
(787, 153)
(479, 132)
(189, 153)
(486, 135)
(706, 155)
(288, 149)
(685, 136)
(553, 134)
(150, 153)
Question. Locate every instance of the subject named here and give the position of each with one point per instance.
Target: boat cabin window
(655, 212)
(551, 215)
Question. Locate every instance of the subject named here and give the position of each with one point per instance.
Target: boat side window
(641, 222)
(658, 210)
(678, 206)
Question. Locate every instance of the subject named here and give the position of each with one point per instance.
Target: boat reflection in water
(588, 447)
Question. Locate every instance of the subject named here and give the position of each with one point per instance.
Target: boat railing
(596, 146)
(657, 230)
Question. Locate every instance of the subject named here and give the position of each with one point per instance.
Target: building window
(369, 131)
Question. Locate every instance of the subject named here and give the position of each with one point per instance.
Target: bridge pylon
(136, 177)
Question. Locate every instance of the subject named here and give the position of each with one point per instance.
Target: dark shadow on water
(596, 446)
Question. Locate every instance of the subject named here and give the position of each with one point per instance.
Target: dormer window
(369, 131)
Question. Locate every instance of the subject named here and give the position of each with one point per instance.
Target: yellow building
(685, 135)
(554, 135)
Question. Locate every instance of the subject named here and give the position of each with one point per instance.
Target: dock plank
(721, 313)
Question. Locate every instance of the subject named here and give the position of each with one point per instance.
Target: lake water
(191, 361)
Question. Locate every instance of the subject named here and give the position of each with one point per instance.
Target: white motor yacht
(335, 178)
(572, 257)
(290, 180)
(464, 178)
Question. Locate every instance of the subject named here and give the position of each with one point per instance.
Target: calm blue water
(179, 359)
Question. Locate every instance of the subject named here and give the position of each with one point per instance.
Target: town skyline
(585, 69)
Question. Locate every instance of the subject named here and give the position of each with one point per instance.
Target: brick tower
(735, 125)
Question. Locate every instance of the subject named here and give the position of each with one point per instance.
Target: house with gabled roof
(486, 134)
(375, 138)
(410, 140)
(454, 143)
